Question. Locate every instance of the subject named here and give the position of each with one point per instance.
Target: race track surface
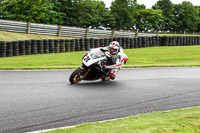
(44, 99)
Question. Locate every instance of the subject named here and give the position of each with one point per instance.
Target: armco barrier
(27, 47)
(65, 31)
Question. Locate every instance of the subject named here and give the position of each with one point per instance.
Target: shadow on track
(98, 83)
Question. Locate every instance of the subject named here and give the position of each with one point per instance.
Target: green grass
(11, 36)
(43, 61)
(164, 56)
(174, 56)
(179, 35)
(175, 121)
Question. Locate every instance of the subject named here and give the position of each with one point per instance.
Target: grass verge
(179, 34)
(175, 56)
(175, 121)
(11, 36)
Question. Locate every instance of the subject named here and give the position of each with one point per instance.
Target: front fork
(85, 72)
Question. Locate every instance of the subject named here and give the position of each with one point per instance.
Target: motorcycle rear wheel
(75, 76)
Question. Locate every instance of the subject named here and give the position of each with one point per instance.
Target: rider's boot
(105, 78)
(112, 76)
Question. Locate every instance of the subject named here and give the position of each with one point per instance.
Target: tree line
(121, 15)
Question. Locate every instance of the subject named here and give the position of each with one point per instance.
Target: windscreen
(97, 54)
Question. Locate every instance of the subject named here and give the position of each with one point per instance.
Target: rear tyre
(75, 76)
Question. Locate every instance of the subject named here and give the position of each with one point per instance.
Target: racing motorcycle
(92, 67)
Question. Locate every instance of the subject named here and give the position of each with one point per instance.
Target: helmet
(114, 47)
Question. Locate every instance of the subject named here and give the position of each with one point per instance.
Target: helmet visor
(113, 50)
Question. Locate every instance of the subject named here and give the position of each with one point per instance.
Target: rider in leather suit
(117, 57)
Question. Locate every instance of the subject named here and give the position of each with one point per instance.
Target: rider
(117, 57)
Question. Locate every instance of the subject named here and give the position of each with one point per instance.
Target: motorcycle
(92, 67)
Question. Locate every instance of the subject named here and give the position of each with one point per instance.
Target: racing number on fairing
(87, 58)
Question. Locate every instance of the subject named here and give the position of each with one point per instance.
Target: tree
(187, 16)
(123, 11)
(70, 8)
(149, 19)
(1, 8)
(54, 13)
(25, 10)
(167, 8)
(93, 14)
(199, 20)
(4, 14)
(38, 11)
(86, 13)
(102, 17)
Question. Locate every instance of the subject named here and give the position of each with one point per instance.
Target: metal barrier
(64, 31)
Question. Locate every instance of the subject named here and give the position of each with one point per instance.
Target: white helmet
(114, 47)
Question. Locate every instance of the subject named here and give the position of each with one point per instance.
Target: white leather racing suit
(117, 60)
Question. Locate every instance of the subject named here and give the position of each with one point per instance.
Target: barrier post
(59, 31)
(87, 33)
(28, 28)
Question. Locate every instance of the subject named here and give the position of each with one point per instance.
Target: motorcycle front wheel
(75, 76)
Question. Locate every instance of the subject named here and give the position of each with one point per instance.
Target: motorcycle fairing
(92, 57)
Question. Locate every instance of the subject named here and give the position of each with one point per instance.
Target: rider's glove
(107, 54)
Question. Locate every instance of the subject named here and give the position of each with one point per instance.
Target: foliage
(88, 13)
(122, 11)
(149, 19)
(122, 15)
(187, 16)
(102, 16)
(24, 10)
(3, 11)
(54, 14)
(181, 17)
(167, 8)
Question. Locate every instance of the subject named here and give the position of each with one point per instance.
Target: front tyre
(75, 76)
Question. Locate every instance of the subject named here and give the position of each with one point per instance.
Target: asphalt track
(44, 99)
